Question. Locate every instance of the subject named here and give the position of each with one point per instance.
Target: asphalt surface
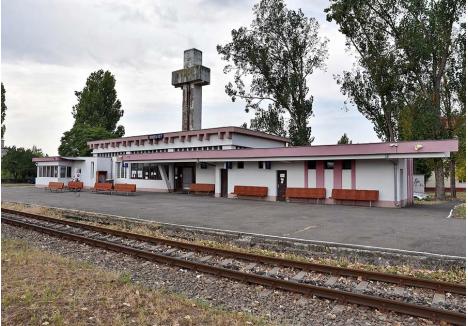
(420, 228)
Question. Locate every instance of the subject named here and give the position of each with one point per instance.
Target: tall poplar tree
(271, 61)
(96, 115)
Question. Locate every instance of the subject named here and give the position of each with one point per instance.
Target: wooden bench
(55, 186)
(356, 195)
(75, 186)
(127, 188)
(207, 188)
(250, 191)
(305, 193)
(103, 187)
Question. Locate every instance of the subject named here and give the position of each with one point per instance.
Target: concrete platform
(420, 228)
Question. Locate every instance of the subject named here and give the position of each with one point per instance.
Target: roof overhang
(412, 149)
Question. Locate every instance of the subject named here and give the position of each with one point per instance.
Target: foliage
(4, 108)
(344, 140)
(18, 163)
(73, 142)
(96, 115)
(271, 62)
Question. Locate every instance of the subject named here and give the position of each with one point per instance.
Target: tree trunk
(453, 188)
(439, 179)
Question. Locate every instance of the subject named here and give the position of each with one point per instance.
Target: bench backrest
(75, 185)
(105, 186)
(355, 194)
(251, 191)
(55, 185)
(125, 187)
(202, 187)
(306, 193)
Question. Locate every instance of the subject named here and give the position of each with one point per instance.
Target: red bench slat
(306, 193)
(355, 194)
(202, 187)
(251, 191)
(106, 186)
(125, 187)
(55, 185)
(75, 185)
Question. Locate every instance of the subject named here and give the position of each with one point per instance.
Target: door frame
(281, 196)
(224, 183)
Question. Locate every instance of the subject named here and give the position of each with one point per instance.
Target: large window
(68, 171)
(49, 171)
(92, 169)
(147, 171)
(63, 171)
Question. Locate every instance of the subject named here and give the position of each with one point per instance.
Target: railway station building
(233, 160)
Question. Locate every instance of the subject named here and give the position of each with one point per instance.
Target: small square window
(268, 165)
(347, 165)
(329, 164)
(311, 165)
(260, 164)
(240, 165)
(203, 166)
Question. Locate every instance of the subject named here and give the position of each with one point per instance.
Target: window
(347, 165)
(68, 171)
(92, 169)
(268, 165)
(311, 165)
(260, 164)
(203, 166)
(240, 165)
(329, 164)
(147, 171)
(228, 165)
(63, 171)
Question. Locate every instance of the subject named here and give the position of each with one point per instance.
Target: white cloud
(49, 49)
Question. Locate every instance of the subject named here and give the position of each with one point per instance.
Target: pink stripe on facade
(353, 174)
(306, 175)
(337, 174)
(319, 174)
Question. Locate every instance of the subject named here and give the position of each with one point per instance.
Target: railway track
(434, 300)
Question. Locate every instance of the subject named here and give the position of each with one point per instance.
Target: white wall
(375, 175)
(254, 142)
(346, 179)
(312, 182)
(207, 175)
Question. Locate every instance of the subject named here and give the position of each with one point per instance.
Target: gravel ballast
(276, 306)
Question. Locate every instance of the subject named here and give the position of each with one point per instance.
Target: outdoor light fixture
(418, 147)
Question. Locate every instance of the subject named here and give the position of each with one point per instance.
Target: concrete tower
(191, 79)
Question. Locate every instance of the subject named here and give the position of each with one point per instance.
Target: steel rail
(305, 289)
(306, 266)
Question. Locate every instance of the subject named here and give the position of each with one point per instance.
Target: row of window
(203, 148)
(147, 171)
(329, 165)
(54, 171)
(311, 165)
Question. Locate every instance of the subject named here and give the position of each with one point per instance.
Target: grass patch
(40, 288)
(459, 211)
(455, 275)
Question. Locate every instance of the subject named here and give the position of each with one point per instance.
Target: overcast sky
(49, 47)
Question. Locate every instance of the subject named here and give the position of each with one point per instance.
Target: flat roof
(56, 159)
(208, 131)
(421, 148)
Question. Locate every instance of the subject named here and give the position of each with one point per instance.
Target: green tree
(96, 115)
(18, 165)
(73, 142)
(271, 61)
(344, 140)
(416, 38)
(4, 109)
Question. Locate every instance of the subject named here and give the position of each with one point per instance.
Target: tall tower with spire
(191, 79)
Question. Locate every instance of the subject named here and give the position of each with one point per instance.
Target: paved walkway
(422, 228)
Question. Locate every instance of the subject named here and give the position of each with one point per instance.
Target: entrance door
(281, 184)
(187, 177)
(179, 178)
(224, 182)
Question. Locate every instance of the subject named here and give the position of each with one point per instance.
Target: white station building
(231, 156)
